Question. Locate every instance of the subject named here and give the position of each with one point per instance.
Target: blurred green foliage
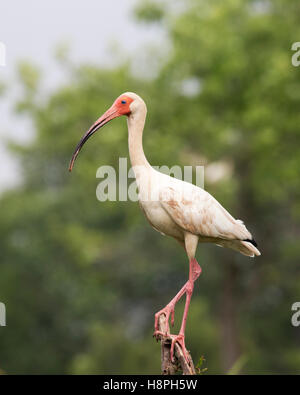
(82, 279)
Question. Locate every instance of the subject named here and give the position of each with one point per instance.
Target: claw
(167, 311)
(172, 317)
(156, 334)
(174, 338)
(180, 340)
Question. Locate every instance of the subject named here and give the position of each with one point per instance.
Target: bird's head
(126, 104)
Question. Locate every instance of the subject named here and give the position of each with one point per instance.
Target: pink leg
(180, 338)
(194, 273)
(170, 309)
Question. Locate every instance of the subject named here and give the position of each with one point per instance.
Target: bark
(180, 364)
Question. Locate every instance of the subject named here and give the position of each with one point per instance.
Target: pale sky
(32, 29)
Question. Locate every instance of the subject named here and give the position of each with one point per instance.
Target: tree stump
(180, 364)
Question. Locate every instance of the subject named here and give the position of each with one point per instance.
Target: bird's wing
(197, 212)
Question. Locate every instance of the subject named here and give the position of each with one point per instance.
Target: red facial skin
(120, 107)
(123, 108)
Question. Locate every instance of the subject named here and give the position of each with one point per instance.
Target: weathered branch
(180, 364)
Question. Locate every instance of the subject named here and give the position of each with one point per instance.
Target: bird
(174, 208)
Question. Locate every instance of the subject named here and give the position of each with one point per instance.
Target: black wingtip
(251, 241)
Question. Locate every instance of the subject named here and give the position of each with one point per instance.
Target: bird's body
(182, 208)
(174, 207)
(177, 208)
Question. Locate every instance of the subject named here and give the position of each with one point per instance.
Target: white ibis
(173, 207)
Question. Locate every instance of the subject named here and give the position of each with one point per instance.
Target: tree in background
(82, 279)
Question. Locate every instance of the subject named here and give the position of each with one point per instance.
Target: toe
(180, 340)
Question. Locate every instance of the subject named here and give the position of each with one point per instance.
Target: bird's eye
(123, 101)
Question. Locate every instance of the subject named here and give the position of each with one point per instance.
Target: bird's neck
(136, 123)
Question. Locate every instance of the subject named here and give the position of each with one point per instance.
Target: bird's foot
(159, 334)
(168, 311)
(180, 340)
(175, 338)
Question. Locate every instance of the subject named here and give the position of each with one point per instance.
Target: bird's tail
(247, 248)
(244, 247)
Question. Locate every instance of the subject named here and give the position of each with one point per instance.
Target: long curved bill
(104, 119)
